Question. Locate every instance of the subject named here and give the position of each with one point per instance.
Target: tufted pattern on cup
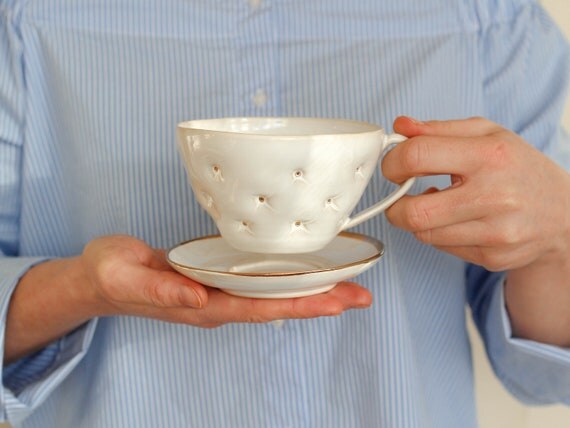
(290, 194)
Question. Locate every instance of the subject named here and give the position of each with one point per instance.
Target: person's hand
(128, 277)
(507, 206)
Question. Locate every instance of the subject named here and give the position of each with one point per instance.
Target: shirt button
(254, 4)
(278, 324)
(260, 98)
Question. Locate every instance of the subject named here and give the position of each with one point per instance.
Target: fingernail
(365, 302)
(416, 121)
(199, 304)
(456, 181)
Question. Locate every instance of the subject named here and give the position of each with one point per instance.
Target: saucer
(211, 261)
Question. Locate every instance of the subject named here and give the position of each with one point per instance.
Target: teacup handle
(384, 204)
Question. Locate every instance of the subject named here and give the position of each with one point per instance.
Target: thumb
(165, 287)
(128, 271)
(141, 284)
(471, 127)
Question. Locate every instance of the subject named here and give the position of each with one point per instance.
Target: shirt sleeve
(27, 382)
(526, 64)
(535, 373)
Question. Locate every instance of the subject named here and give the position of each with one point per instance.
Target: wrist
(50, 300)
(83, 293)
(537, 297)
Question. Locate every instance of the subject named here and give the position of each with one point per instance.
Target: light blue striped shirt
(90, 93)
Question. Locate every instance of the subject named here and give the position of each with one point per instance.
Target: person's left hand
(508, 205)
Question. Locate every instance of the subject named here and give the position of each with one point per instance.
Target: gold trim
(190, 125)
(374, 242)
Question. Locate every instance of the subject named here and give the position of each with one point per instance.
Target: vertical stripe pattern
(90, 95)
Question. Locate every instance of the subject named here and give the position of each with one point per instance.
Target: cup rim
(206, 126)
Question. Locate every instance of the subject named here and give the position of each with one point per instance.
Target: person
(98, 331)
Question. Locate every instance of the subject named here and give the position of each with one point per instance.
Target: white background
(497, 409)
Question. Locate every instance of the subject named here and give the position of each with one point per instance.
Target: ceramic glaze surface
(280, 185)
(212, 261)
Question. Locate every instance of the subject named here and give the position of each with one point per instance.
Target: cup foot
(280, 294)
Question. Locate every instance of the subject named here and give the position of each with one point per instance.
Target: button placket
(259, 98)
(258, 59)
(254, 4)
(278, 324)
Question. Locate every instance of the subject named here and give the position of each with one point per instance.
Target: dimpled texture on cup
(279, 194)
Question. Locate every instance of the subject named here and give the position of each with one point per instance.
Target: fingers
(223, 308)
(427, 155)
(435, 209)
(493, 259)
(454, 147)
(471, 127)
(457, 147)
(353, 295)
(344, 296)
(475, 233)
(489, 215)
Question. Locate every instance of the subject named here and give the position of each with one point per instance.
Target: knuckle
(424, 236)
(154, 293)
(107, 268)
(211, 325)
(335, 309)
(511, 202)
(499, 151)
(485, 124)
(480, 121)
(493, 262)
(509, 235)
(298, 310)
(106, 274)
(417, 217)
(390, 216)
(254, 313)
(497, 267)
(414, 151)
(256, 319)
(499, 238)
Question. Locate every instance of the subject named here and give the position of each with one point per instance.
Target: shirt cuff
(29, 381)
(536, 373)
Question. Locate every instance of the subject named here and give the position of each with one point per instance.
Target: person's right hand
(130, 278)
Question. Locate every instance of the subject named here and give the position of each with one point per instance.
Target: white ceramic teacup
(284, 185)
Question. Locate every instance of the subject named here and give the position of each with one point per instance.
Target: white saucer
(211, 261)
